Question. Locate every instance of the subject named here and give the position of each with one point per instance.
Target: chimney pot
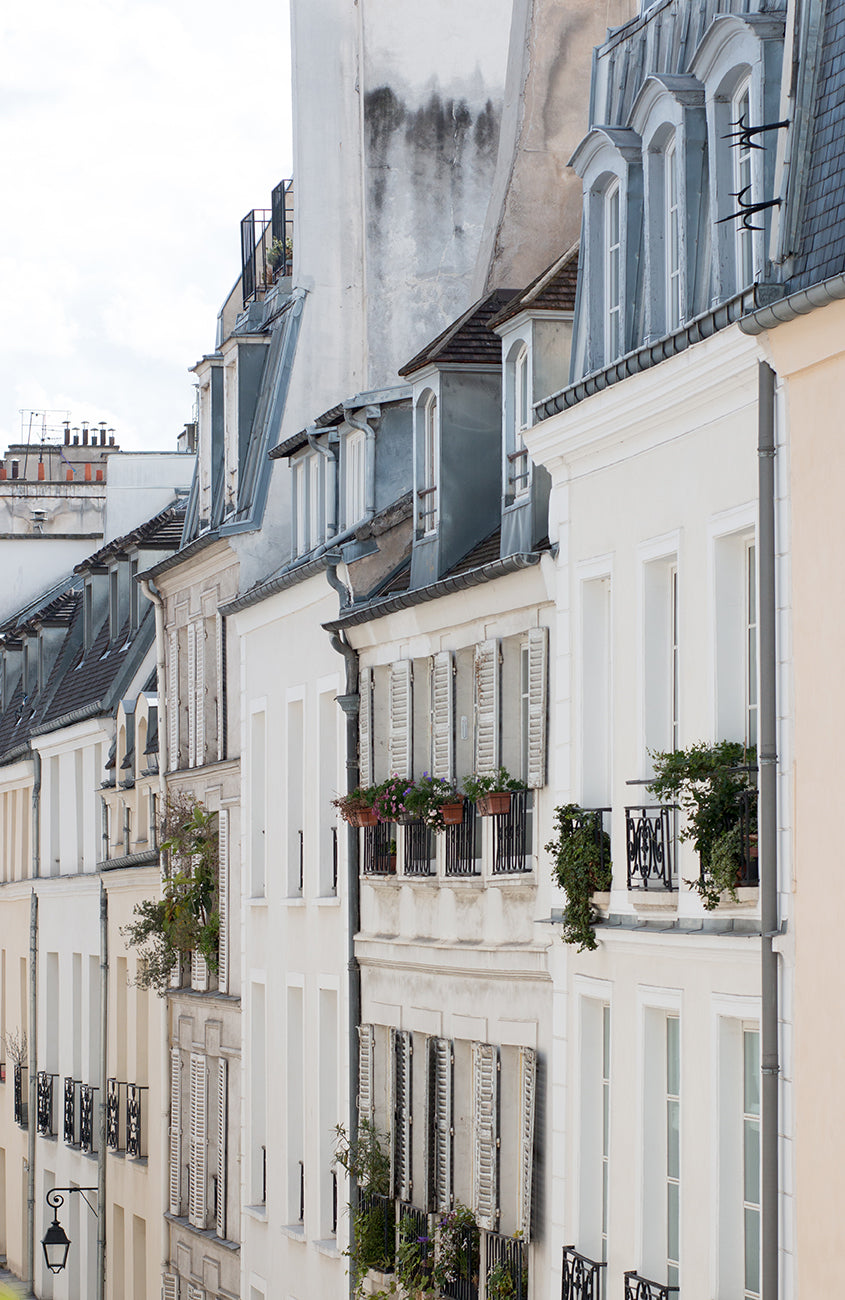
(41, 468)
(69, 475)
(88, 473)
(76, 440)
(85, 435)
(111, 442)
(2, 473)
(99, 476)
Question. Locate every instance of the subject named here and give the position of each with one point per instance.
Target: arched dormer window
(518, 418)
(428, 464)
(612, 250)
(746, 185)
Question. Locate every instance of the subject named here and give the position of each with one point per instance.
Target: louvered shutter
(219, 633)
(199, 1131)
(192, 697)
(171, 702)
(223, 899)
(401, 718)
(365, 727)
(175, 1131)
(487, 700)
(527, 1094)
(200, 694)
(402, 1118)
(222, 1135)
(485, 1135)
(195, 1292)
(443, 716)
(199, 972)
(538, 676)
(366, 1054)
(441, 1131)
(169, 1286)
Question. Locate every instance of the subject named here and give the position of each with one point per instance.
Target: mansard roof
(552, 290)
(161, 533)
(468, 341)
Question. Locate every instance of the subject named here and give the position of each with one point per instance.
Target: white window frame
(614, 345)
(429, 465)
(751, 1119)
(745, 177)
(519, 462)
(672, 220)
(752, 642)
(355, 456)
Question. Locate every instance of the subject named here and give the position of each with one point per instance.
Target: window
(428, 467)
(751, 644)
(612, 274)
(88, 615)
(672, 236)
(674, 686)
(751, 1160)
(744, 184)
(519, 466)
(134, 595)
(315, 475)
(300, 508)
(673, 1148)
(114, 603)
(605, 1123)
(355, 477)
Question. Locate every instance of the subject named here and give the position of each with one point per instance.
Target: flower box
(494, 804)
(453, 813)
(363, 817)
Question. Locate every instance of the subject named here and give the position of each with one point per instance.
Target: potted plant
(367, 1160)
(491, 794)
(356, 808)
(389, 802)
(458, 1242)
(435, 802)
(581, 866)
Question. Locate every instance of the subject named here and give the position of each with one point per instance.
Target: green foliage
(279, 252)
(361, 799)
(186, 917)
(577, 867)
(424, 799)
(366, 1159)
(501, 1283)
(704, 781)
(496, 783)
(456, 1231)
(414, 1259)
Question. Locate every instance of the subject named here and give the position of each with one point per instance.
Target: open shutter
(175, 1130)
(169, 1286)
(223, 899)
(400, 743)
(527, 1093)
(441, 1130)
(192, 694)
(487, 703)
(199, 707)
(538, 676)
(443, 716)
(366, 1053)
(199, 1133)
(402, 1099)
(199, 972)
(222, 1134)
(219, 634)
(485, 1135)
(365, 728)
(171, 702)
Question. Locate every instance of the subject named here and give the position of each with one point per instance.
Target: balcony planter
(492, 794)
(494, 804)
(452, 813)
(362, 817)
(356, 808)
(427, 798)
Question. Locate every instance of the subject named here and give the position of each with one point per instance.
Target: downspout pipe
(768, 823)
(101, 1108)
(349, 702)
(32, 1072)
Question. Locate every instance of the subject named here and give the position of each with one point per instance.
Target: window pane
(673, 1235)
(673, 1139)
(752, 1161)
(752, 1251)
(751, 1050)
(673, 1056)
(605, 1053)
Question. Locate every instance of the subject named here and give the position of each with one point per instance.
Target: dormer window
(745, 190)
(672, 235)
(88, 616)
(518, 400)
(134, 595)
(428, 467)
(354, 477)
(612, 274)
(114, 604)
(300, 507)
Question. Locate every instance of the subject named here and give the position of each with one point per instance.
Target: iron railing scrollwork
(642, 1288)
(44, 1103)
(377, 858)
(21, 1105)
(134, 1129)
(512, 835)
(462, 843)
(419, 849)
(582, 1277)
(70, 1113)
(86, 1117)
(113, 1114)
(649, 836)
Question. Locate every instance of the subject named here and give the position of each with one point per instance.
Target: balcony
(86, 1117)
(70, 1120)
(113, 1088)
(582, 1277)
(134, 1121)
(641, 1288)
(376, 1230)
(464, 1285)
(418, 846)
(463, 844)
(506, 1263)
(649, 836)
(44, 1103)
(378, 858)
(21, 1111)
(512, 836)
(267, 244)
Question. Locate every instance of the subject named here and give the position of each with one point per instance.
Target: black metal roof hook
(742, 135)
(748, 210)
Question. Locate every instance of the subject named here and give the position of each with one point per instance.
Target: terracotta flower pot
(367, 817)
(452, 813)
(494, 804)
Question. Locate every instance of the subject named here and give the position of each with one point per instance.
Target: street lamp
(55, 1241)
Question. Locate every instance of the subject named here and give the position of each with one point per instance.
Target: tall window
(751, 1160)
(674, 682)
(672, 237)
(355, 477)
(315, 473)
(612, 274)
(427, 491)
(605, 1123)
(518, 456)
(743, 185)
(673, 1148)
(751, 644)
(301, 505)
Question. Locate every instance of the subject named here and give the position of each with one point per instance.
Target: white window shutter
(366, 1055)
(199, 1134)
(200, 694)
(223, 899)
(175, 1131)
(402, 1115)
(195, 1292)
(443, 716)
(220, 634)
(170, 699)
(400, 744)
(169, 1286)
(485, 1135)
(365, 727)
(487, 705)
(199, 972)
(222, 1135)
(192, 694)
(527, 1094)
(441, 1131)
(538, 706)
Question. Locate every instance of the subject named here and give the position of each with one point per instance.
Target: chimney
(111, 442)
(69, 476)
(85, 433)
(99, 476)
(88, 473)
(67, 433)
(2, 472)
(41, 471)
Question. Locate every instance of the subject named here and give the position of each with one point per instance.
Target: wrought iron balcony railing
(86, 1116)
(641, 1288)
(70, 1120)
(378, 1239)
(463, 856)
(20, 1102)
(582, 1277)
(512, 835)
(464, 1284)
(508, 1255)
(44, 1103)
(113, 1088)
(749, 871)
(377, 858)
(649, 836)
(134, 1121)
(418, 841)
(267, 243)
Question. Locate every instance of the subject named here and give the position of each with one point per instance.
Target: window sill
(295, 900)
(257, 902)
(328, 1247)
(293, 1231)
(327, 900)
(653, 900)
(256, 1212)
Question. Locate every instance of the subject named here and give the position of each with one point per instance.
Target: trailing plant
(581, 866)
(361, 799)
(389, 801)
(414, 1260)
(501, 1283)
(367, 1161)
(499, 782)
(186, 918)
(426, 799)
(711, 786)
(457, 1248)
(279, 252)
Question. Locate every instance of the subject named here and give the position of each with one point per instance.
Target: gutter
(797, 304)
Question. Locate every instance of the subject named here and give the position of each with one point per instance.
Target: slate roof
(552, 290)
(467, 341)
(161, 533)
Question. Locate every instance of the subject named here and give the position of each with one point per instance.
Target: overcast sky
(134, 136)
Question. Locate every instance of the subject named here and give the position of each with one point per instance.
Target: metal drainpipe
(32, 1057)
(101, 1109)
(349, 703)
(767, 762)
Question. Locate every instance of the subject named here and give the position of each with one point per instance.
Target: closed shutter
(401, 718)
(527, 1093)
(538, 705)
(192, 694)
(200, 694)
(219, 633)
(485, 1135)
(199, 1133)
(365, 728)
(169, 1286)
(223, 899)
(195, 1292)
(171, 702)
(441, 1131)
(222, 1135)
(443, 716)
(175, 1131)
(199, 972)
(366, 1053)
(487, 702)
(402, 1116)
